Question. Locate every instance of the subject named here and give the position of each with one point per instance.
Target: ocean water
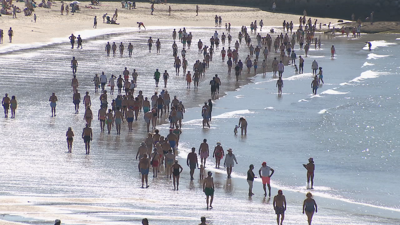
(349, 129)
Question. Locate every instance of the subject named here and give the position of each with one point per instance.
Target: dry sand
(51, 24)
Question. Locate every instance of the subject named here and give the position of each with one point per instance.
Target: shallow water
(348, 128)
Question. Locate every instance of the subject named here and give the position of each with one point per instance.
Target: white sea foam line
(233, 114)
(322, 111)
(380, 43)
(333, 92)
(369, 74)
(303, 100)
(376, 56)
(299, 76)
(367, 64)
(315, 96)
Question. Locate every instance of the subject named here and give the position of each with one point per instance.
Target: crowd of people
(160, 152)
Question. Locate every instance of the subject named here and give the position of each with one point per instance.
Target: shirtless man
(6, 104)
(102, 117)
(76, 99)
(208, 189)
(74, 84)
(53, 103)
(279, 206)
(204, 152)
(173, 139)
(87, 136)
(142, 150)
(86, 100)
(74, 65)
(129, 118)
(144, 167)
(192, 162)
(147, 116)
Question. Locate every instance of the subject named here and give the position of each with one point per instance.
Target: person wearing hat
(266, 177)
(310, 167)
(309, 206)
(229, 162)
(208, 188)
(218, 154)
(279, 206)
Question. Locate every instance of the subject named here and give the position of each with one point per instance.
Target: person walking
(279, 204)
(229, 162)
(309, 206)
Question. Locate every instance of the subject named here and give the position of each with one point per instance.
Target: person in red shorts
(265, 175)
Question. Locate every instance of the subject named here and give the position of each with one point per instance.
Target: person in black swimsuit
(176, 170)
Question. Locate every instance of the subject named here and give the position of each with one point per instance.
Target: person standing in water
(87, 136)
(70, 139)
(208, 189)
(265, 175)
(250, 179)
(144, 168)
(13, 103)
(6, 105)
(279, 204)
(192, 162)
(218, 154)
(74, 65)
(204, 152)
(229, 162)
(315, 85)
(309, 206)
(176, 170)
(76, 99)
(243, 125)
(279, 84)
(53, 103)
(310, 167)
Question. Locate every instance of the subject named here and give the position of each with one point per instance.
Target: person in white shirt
(314, 67)
(103, 80)
(265, 175)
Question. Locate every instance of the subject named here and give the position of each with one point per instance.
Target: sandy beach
(51, 24)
